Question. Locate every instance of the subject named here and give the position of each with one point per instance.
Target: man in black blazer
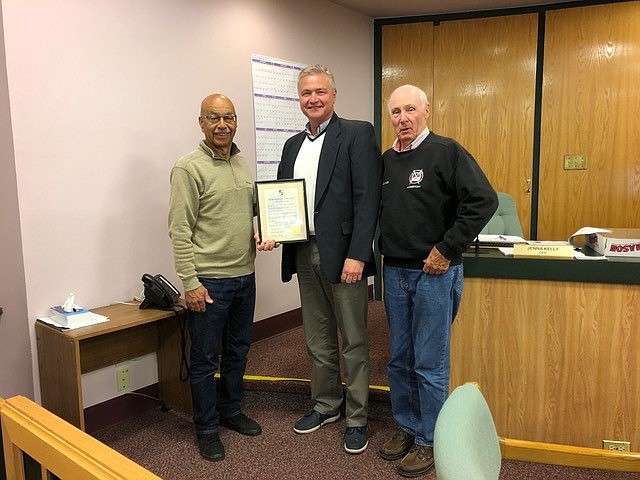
(341, 165)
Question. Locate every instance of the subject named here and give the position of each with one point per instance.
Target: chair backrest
(465, 442)
(505, 221)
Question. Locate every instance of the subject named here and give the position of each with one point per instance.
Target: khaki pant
(326, 310)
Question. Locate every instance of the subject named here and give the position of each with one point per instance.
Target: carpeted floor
(164, 443)
(277, 394)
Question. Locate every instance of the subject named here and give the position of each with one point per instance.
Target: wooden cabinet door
(484, 97)
(591, 107)
(407, 58)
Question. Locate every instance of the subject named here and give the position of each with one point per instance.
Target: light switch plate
(575, 162)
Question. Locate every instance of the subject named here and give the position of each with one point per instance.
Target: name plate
(543, 251)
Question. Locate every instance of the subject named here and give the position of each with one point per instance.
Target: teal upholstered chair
(465, 442)
(505, 221)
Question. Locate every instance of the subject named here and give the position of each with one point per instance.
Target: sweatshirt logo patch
(415, 179)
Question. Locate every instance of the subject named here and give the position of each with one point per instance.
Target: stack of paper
(499, 240)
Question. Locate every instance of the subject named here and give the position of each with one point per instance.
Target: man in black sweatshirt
(435, 201)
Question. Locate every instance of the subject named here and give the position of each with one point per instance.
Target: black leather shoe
(211, 447)
(241, 424)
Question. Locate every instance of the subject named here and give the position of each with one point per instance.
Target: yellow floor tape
(264, 378)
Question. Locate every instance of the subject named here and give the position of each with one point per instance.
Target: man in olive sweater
(211, 212)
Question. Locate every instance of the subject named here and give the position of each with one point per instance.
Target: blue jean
(420, 310)
(228, 322)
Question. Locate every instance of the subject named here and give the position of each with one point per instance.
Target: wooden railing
(59, 447)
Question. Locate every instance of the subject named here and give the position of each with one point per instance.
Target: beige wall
(15, 351)
(104, 99)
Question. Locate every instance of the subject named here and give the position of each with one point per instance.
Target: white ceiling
(406, 8)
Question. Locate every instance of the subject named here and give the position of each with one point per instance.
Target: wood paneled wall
(556, 361)
(480, 76)
(407, 58)
(591, 106)
(484, 90)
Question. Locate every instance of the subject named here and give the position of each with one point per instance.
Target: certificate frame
(282, 210)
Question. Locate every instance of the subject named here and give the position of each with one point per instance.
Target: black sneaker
(211, 447)
(241, 424)
(355, 439)
(313, 420)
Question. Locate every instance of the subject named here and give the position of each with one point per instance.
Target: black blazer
(347, 196)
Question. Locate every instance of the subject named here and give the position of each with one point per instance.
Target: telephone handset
(158, 292)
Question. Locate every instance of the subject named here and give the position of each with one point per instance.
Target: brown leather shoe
(417, 462)
(397, 446)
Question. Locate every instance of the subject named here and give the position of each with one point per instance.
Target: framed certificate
(282, 210)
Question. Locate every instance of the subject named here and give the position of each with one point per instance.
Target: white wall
(104, 98)
(16, 376)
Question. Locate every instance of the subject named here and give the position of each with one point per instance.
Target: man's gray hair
(421, 95)
(315, 70)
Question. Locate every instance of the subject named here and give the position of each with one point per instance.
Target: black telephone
(158, 292)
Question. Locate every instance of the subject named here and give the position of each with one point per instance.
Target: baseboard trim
(119, 409)
(276, 325)
(568, 455)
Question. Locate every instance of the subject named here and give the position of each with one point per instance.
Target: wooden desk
(63, 356)
(493, 264)
(554, 345)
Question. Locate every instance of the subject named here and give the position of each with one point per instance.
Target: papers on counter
(577, 253)
(505, 243)
(499, 240)
(587, 231)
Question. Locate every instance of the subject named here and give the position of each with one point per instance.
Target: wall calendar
(276, 109)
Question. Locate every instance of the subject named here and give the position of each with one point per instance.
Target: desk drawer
(115, 347)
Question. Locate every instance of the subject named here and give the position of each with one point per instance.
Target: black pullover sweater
(433, 195)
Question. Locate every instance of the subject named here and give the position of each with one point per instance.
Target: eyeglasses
(214, 118)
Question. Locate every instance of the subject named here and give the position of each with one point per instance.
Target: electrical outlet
(575, 162)
(123, 379)
(616, 446)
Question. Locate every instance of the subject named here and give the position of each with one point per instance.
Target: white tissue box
(69, 319)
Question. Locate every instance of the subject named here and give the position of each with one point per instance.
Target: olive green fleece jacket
(211, 209)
